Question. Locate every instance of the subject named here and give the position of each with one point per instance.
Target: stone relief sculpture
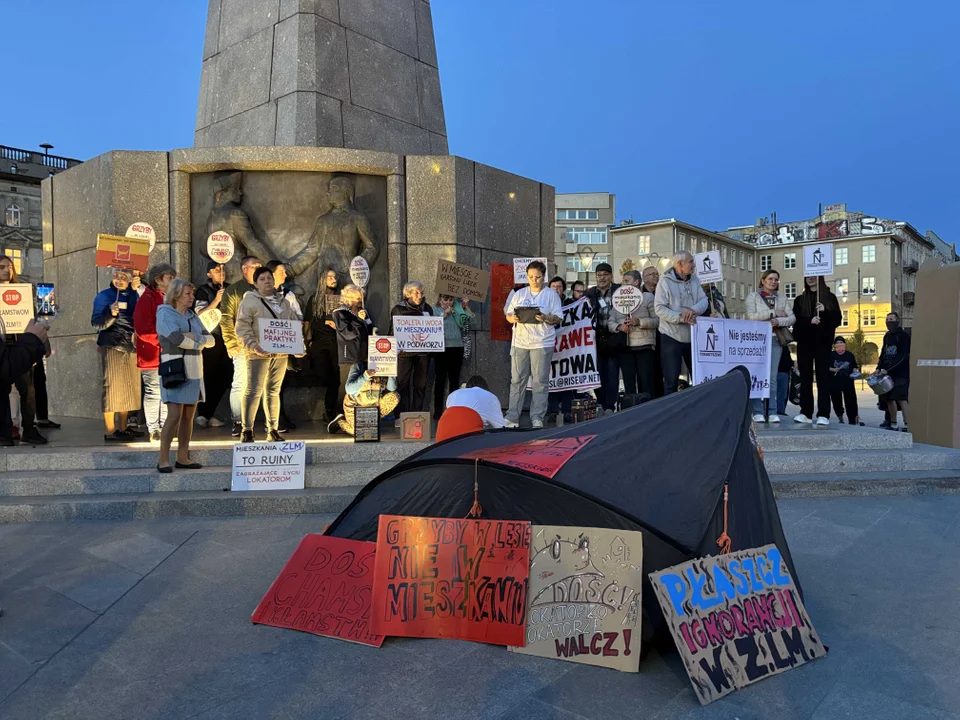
(227, 216)
(341, 233)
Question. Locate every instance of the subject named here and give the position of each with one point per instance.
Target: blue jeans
(526, 364)
(757, 404)
(783, 392)
(154, 411)
(238, 387)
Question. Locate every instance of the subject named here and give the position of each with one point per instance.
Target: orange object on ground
(457, 421)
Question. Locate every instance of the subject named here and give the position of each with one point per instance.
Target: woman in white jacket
(767, 304)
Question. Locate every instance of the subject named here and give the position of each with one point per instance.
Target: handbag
(784, 336)
(173, 373)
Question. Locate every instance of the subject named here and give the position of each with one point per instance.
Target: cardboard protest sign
(220, 247)
(462, 281)
(16, 308)
(142, 231)
(123, 253)
(359, 272)
(720, 345)
(269, 466)
(574, 363)
(544, 457)
(419, 334)
(520, 268)
(449, 578)
(415, 426)
(382, 356)
(284, 337)
(709, 269)
(627, 298)
(501, 285)
(736, 619)
(326, 588)
(584, 596)
(818, 260)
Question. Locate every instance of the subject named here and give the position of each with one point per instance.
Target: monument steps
(866, 484)
(918, 458)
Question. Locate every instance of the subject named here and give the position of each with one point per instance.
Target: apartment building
(582, 232)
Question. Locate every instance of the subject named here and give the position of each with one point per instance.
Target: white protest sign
(220, 247)
(142, 231)
(520, 268)
(268, 466)
(419, 334)
(283, 337)
(211, 319)
(382, 356)
(818, 260)
(627, 298)
(709, 269)
(574, 364)
(720, 345)
(359, 272)
(16, 308)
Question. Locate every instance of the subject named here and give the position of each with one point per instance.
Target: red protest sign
(544, 457)
(501, 285)
(325, 589)
(447, 578)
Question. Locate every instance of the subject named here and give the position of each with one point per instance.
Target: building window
(869, 317)
(13, 215)
(869, 286)
(896, 287)
(841, 287)
(714, 244)
(573, 262)
(750, 262)
(896, 254)
(766, 262)
(587, 235)
(790, 261)
(742, 259)
(724, 286)
(869, 253)
(681, 242)
(693, 244)
(790, 290)
(17, 257)
(844, 318)
(643, 245)
(723, 255)
(841, 256)
(577, 215)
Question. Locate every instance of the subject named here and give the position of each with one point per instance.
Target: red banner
(501, 285)
(447, 578)
(325, 589)
(544, 457)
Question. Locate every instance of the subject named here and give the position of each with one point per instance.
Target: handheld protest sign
(462, 281)
(419, 334)
(123, 253)
(16, 309)
(720, 345)
(735, 619)
(520, 268)
(142, 231)
(221, 247)
(574, 365)
(709, 268)
(359, 272)
(818, 260)
(382, 356)
(283, 337)
(627, 298)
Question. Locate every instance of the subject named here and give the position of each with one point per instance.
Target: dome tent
(661, 468)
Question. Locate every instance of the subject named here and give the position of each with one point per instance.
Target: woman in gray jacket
(767, 304)
(638, 362)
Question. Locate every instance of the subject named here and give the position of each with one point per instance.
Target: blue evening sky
(712, 112)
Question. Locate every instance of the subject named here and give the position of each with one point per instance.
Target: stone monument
(320, 136)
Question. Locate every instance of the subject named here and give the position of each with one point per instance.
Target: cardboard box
(934, 415)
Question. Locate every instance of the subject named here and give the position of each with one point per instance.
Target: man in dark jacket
(217, 367)
(608, 356)
(16, 359)
(230, 306)
(895, 361)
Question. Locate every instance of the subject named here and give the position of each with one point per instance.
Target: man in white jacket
(679, 301)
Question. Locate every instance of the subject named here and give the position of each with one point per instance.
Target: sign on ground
(720, 345)
(584, 597)
(736, 619)
(269, 466)
(462, 281)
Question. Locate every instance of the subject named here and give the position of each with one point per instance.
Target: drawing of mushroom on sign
(584, 599)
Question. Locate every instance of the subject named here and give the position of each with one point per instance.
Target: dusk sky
(713, 113)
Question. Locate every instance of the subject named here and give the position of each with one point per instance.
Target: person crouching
(364, 389)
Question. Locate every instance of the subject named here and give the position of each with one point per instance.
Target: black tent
(660, 468)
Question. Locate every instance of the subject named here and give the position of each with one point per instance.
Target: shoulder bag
(173, 372)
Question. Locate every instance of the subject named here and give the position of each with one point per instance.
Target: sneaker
(801, 418)
(823, 421)
(774, 419)
(201, 421)
(511, 424)
(537, 424)
(215, 422)
(246, 436)
(237, 429)
(32, 437)
(757, 417)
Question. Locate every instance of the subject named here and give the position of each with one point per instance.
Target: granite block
(431, 99)
(241, 19)
(140, 187)
(181, 257)
(138, 553)
(368, 130)
(38, 622)
(46, 208)
(76, 199)
(301, 159)
(389, 22)
(422, 264)
(207, 103)
(507, 212)
(74, 377)
(179, 207)
(79, 285)
(438, 144)
(253, 127)
(309, 118)
(493, 362)
(396, 209)
(382, 79)
(160, 254)
(397, 270)
(426, 42)
(432, 199)
(466, 199)
(330, 9)
(243, 73)
(548, 214)
(310, 55)
(211, 38)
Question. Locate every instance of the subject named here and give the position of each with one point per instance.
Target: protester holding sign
(265, 371)
(230, 307)
(182, 337)
(412, 367)
(15, 359)
(533, 342)
(818, 317)
(364, 389)
(640, 326)
(148, 345)
(561, 401)
(456, 316)
(767, 304)
(353, 329)
(322, 345)
(678, 302)
(217, 368)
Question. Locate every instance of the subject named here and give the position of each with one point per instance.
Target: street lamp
(587, 255)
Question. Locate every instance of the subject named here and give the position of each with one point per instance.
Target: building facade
(639, 245)
(582, 234)
(21, 172)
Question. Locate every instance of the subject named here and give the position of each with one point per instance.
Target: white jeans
(525, 364)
